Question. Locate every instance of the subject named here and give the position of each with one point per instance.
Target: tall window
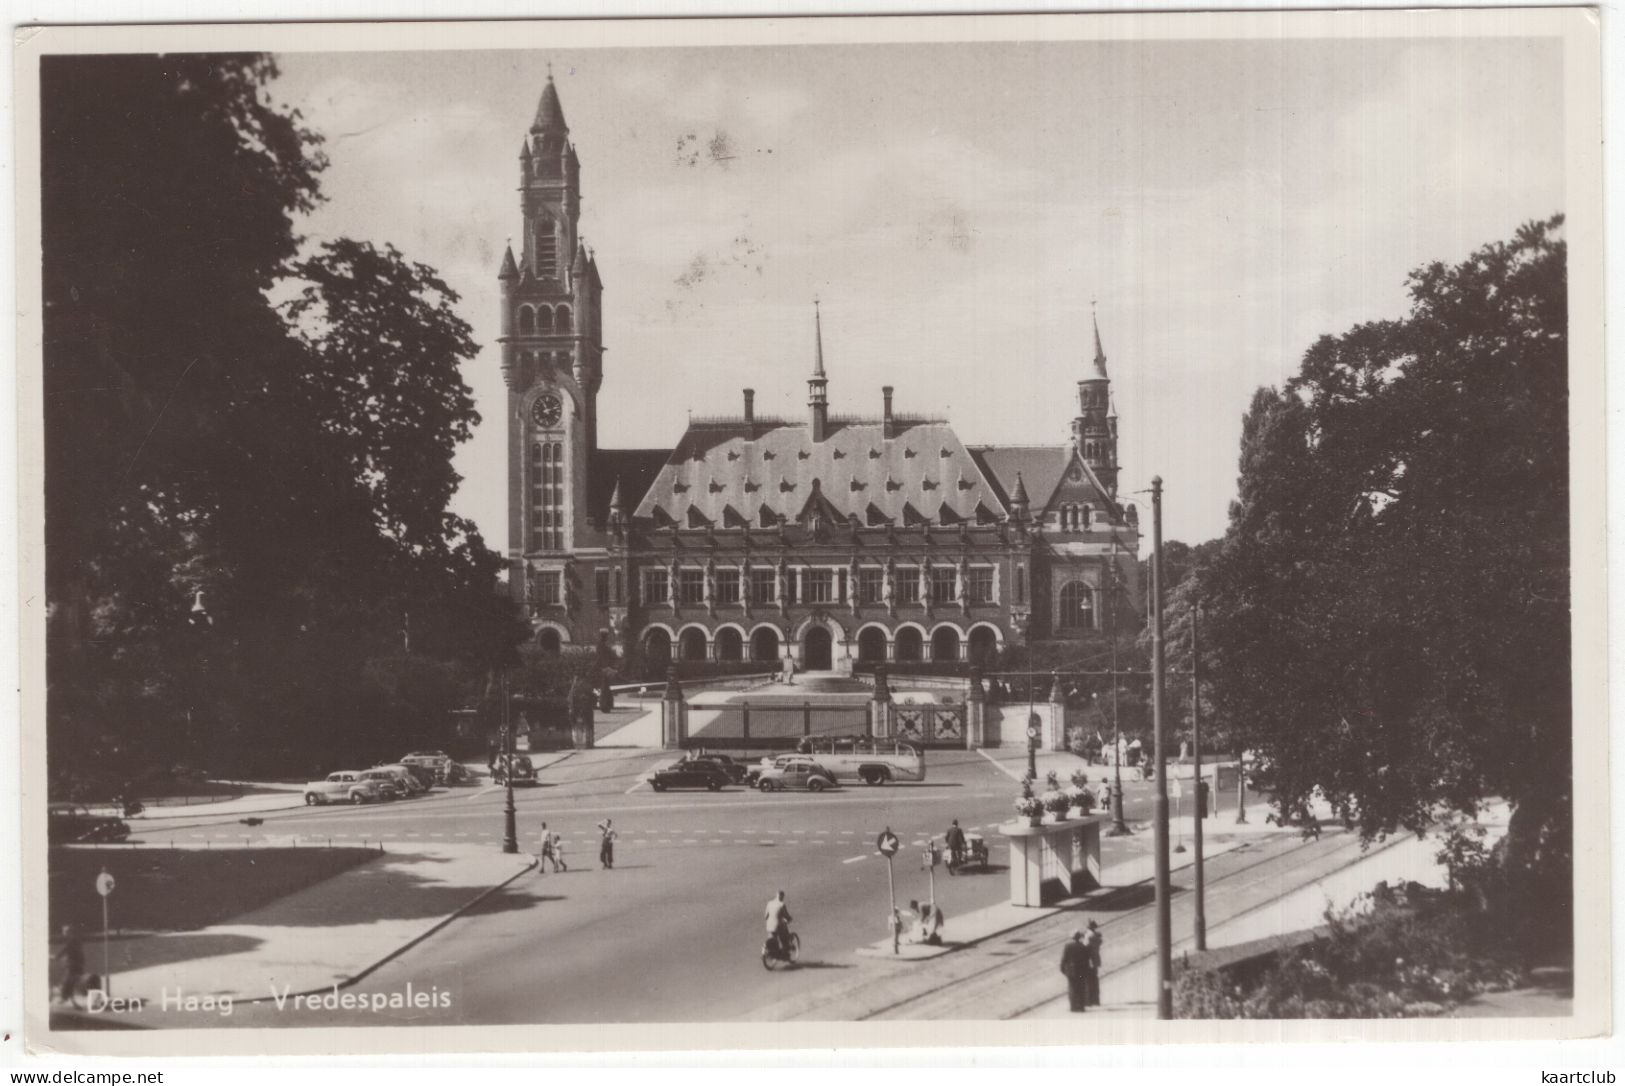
(1021, 584)
(908, 584)
(817, 586)
(1077, 607)
(763, 585)
(547, 251)
(549, 587)
(620, 587)
(600, 586)
(547, 496)
(871, 582)
(561, 323)
(656, 587)
(727, 586)
(691, 586)
(980, 588)
(943, 580)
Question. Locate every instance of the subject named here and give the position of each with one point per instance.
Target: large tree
(1389, 611)
(293, 463)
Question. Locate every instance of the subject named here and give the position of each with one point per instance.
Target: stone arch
(908, 643)
(982, 643)
(544, 320)
(945, 642)
(657, 643)
(729, 643)
(873, 640)
(527, 321)
(766, 644)
(551, 637)
(693, 644)
(562, 319)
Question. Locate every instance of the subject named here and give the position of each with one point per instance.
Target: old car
(409, 777)
(736, 771)
(343, 786)
(72, 823)
(690, 774)
(389, 785)
(518, 766)
(794, 771)
(444, 767)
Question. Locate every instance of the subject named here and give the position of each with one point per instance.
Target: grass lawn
(162, 889)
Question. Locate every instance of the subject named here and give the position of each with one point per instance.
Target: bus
(859, 758)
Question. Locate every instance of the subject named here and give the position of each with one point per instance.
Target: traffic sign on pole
(104, 887)
(887, 843)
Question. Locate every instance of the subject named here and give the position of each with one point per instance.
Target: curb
(412, 942)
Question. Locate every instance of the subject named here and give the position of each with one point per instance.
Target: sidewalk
(975, 927)
(328, 934)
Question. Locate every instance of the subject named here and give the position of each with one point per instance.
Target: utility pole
(510, 831)
(1119, 823)
(1165, 982)
(1201, 798)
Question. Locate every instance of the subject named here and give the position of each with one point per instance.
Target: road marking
(690, 841)
(639, 841)
(737, 841)
(803, 831)
(1000, 766)
(639, 783)
(855, 859)
(847, 833)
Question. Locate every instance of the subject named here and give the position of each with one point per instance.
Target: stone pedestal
(1053, 861)
(673, 714)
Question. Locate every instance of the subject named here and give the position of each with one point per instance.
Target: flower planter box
(1053, 861)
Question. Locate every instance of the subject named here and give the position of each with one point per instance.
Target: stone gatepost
(1056, 739)
(673, 713)
(975, 712)
(881, 707)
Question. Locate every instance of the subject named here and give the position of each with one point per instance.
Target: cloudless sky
(956, 207)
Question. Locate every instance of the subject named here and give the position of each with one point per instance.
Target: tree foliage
(1389, 609)
(291, 463)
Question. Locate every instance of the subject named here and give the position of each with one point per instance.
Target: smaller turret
(1019, 504)
(818, 384)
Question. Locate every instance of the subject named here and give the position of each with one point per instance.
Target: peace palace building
(829, 539)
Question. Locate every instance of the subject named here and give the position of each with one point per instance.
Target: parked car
(736, 771)
(389, 785)
(690, 774)
(794, 771)
(445, 769)
(71, 823)
(344, 786)
(415, 784)
(520, 766)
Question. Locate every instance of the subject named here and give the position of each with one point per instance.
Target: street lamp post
(510, 829)
(1165, 983)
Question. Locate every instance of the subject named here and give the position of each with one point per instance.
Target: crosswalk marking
(855, 859)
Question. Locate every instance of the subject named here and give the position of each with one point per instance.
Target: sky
(958, 209)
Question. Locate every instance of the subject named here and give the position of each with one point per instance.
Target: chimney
(888, 428)
(750, 405)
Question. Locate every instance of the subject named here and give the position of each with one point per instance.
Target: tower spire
(818, 384)
(549, 114)
(1100, 353)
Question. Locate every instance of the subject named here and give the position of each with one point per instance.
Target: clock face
(546, 410)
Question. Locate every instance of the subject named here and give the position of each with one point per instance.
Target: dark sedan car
(686, 774)
(72, 824)
(736, 771)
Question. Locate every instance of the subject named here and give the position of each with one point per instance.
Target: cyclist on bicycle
(778, 923)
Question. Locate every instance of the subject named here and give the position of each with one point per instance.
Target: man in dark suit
(1074, 967)
(1091, 964)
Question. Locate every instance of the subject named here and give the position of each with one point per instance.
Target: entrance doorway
(816, 649)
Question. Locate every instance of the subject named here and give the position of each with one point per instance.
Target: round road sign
(887, 844)
(104, 884)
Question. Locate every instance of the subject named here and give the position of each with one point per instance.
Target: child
(558, 853)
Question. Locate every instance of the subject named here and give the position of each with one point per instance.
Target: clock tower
(551, 344)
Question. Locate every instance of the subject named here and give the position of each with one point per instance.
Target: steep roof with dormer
(730, 473)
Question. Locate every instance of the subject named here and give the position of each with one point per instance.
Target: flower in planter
(1030, 807)
(1057, 802)
(1079, 779)
(1052, 783)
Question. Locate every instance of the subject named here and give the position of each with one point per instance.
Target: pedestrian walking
(606, 843)
(931, 924)
(72, 955)
(1092, 940)
(547, 851)
(1074, 957)
(895, 920)
(558, 853)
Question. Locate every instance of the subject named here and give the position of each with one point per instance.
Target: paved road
(674, 932)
